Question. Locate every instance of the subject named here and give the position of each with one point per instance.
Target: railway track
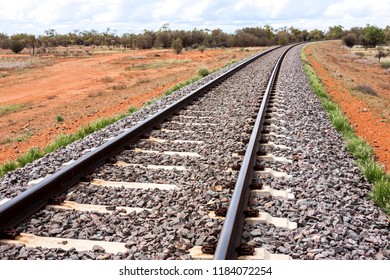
(176, 185)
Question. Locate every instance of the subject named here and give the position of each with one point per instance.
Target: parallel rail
(230, 237)
(24, 205)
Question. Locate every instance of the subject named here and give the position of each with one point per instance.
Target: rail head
(230, 237)
(25, 204)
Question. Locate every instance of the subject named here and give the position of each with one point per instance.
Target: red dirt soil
(84, 89)
(368, 115)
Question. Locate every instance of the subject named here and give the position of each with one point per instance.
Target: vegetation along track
(312, 204)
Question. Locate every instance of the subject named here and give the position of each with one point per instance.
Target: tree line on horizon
(368, 36)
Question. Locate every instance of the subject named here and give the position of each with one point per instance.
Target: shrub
(381, 53)
(385, 64)
(349, 40)
(16, 46)
(177, 45)
(59, 118)
(202, 48)
(203, 72)
(373, 36)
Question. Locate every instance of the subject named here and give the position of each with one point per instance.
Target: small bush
(360, 54)
(59, 118)
(203, 72)
(201, 48)
(349, 40)
(385, 64)
(177, 45)
(381, 53)
(16, 46)
(366, 89)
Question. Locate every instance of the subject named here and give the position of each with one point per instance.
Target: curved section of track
(230, 239)
(193, 147)
(35, 198)
(166, 195)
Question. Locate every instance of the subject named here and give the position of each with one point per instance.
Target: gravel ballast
(176, 220)
(335, 219)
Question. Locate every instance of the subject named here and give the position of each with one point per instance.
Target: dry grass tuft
(366, 89)
(96, 93)
(119, 87)
(107, 79)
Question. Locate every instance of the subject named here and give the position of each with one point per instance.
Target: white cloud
(34, 16)
(197, 11)
(359, 9)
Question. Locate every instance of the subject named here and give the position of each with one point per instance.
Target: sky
(134, 16)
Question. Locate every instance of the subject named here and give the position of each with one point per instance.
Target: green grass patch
(59, 118)
(181, 85)
(201, 73)
(230, 63)
(7, 167)
(19, 138)
(32, 154)
(12, 108)
(381, 192)
(361, 150)
(372, 170)
(61, 141)
(132, 110)
(151, 101)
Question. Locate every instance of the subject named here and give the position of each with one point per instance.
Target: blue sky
(32, 16)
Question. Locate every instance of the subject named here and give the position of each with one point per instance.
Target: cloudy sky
(33, 16)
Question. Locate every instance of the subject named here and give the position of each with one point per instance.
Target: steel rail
(25, 204)
(230, 237)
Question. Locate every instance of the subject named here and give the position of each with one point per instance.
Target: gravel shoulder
(335, 218)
